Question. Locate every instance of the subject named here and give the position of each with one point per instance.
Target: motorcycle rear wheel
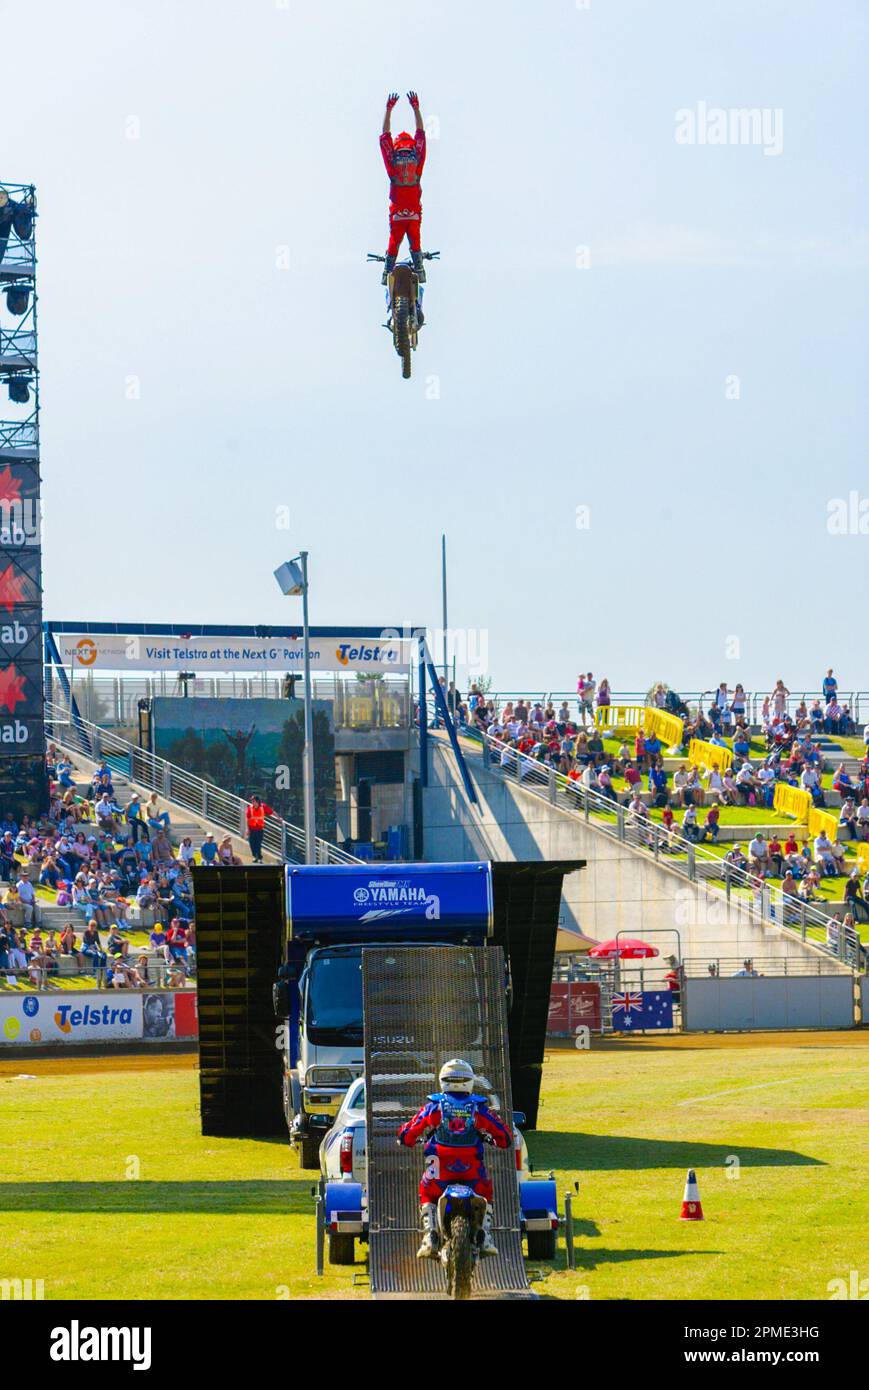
(460, 1260)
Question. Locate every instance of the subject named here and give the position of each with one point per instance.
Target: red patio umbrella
(625, 948)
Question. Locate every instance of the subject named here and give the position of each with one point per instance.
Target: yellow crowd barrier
(823, 820)
(619, 716)
(792, 801)
(703, 754)
(669, 727)
(862, 849)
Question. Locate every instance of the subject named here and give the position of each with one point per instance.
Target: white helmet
(457, 1075)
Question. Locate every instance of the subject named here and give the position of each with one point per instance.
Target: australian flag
(633, 1011)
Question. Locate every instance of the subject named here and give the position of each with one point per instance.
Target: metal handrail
(764, 901)
(753, 699)
(221, 808)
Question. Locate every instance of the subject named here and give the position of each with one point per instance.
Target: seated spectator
(654, 748)
(225, 853)
(833, 717)
(63, 772)
(766, 783)
(102, 782)
(157, 819)
(741, 746)
(810, 782)
(758, 855)
(789, 887)
(186, 852)
(69, 945)
(8, 866)
(694, 794)
(824, 856)
(159, 942)
(736, 859)
(176, 940)
(848, 818)
(49, 874)
(658, 778)
(40, 962)
(116, 943)
(605, 784)
(595, 747)
(105, 812)
(161, 847)
(746, 784)
(842, 782)
(680, 782)
(711, 823)
(175, 976)
(854, 900)
(776, 855)
(633, 778)
(27, 899)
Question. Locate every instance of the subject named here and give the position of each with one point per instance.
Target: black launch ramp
(422, 1006)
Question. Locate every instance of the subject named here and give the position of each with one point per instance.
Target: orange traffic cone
(691, 1206)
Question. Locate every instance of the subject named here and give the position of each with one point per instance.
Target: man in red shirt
(256, 824)
(404, 158)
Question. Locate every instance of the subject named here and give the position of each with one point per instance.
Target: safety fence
(819, 821)
(757, 898)
(856, 700)
(668, 727)
(709, 755)
(216, 806)
(627, 717)
(792, 801)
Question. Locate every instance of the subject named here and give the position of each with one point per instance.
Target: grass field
(109, 1190)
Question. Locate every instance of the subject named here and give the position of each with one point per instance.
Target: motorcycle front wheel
(460, 1260)
(401, 332)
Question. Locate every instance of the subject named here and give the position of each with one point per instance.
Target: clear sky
(696, 378)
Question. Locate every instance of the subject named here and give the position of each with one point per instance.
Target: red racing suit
(454, 1126)
(405, 193)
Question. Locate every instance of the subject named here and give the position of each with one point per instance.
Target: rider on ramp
(453, 1121)
(404, 158)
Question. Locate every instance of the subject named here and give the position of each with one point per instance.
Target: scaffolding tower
(23, 783)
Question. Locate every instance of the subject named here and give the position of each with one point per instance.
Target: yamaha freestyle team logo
(393, 898)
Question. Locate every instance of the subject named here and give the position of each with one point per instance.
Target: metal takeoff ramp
(422, 1006)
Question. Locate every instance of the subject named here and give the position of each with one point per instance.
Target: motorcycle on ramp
(460, 1226)
(404, 306)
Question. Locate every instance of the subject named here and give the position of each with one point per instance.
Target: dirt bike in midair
(405, 317)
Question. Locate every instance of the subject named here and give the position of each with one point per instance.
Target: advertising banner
(23, 784)
(573, 1005)
(95, 1016)
(70, 1017)
(141, 652)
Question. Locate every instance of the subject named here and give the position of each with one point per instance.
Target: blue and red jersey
(453, 1126)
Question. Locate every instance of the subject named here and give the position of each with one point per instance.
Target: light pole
(292, 576)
